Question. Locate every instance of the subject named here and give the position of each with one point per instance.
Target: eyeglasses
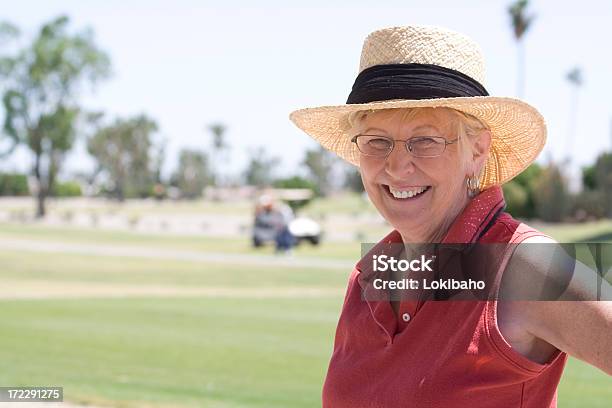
(382, 146)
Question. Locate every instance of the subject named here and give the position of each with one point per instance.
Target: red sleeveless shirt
(437, 353)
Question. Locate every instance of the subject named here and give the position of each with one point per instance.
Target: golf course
(129, 319)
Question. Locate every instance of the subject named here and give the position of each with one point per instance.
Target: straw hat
(424, 66)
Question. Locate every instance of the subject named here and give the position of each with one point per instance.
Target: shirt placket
(472, 221)
(379, 308)
(410, 307)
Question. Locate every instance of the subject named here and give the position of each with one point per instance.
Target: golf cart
(274, 216)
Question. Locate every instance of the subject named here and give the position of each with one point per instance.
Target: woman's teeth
(407, 193)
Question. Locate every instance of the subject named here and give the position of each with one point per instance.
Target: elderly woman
(433, 149)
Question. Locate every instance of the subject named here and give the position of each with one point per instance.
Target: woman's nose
(399, 163)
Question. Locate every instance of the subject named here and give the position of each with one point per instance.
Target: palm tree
(219, 146)
(574, 77)
(521, 22)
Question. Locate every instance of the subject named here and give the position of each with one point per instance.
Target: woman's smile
(411, 193)
(406, 206)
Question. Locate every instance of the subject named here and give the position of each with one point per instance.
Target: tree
(320, 164)
(589, 182)
(515, 196)
(595, 199)
(8, 32)
(159, 155)
(574, 77)
(41, 85)
(603, 179)
(521, 22)
(219, 148)
(193, 173)
(551, 194)
(260, 168)
(519, 192)
(122, 151)
(352, 179)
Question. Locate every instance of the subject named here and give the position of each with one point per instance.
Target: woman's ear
(481, 143)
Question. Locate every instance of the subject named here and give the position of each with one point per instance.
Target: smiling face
(420, 196)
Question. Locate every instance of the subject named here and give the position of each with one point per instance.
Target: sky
(189, 64)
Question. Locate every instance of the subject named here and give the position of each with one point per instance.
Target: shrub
(67, 189)
(14, 184)
(589, 204)
(550, 194)
(295, 182)
(516, 199)
(527, 180)
(603, 179)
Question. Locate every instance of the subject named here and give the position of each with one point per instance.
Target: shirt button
(406, 317)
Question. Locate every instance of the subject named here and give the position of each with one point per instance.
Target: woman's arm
(577, 322)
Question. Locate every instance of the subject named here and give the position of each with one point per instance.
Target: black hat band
(412, 81)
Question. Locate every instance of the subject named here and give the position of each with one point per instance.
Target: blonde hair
(462, 125)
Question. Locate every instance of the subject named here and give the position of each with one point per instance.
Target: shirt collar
(466, 228)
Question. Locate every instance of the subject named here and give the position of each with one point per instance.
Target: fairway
(200, 352)
(138, 330)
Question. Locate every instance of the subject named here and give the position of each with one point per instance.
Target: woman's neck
(433, 234)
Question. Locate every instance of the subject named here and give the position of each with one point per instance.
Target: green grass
(596, 231)
(229, 245)
(600, 230)
(119, 237)
(584, 386)
(194, 352)
(213, 352)
(199, 352)
(347, 203)
(16, 265)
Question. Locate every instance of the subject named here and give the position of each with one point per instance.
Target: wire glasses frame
(382, 146)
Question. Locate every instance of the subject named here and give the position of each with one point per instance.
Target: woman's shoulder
(557, 299)
(505, 228)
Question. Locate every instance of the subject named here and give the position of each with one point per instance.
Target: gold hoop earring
(473, 186)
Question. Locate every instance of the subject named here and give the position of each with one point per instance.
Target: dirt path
(171, 254)
(40, 289)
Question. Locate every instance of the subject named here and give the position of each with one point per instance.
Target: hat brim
(518, 130)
